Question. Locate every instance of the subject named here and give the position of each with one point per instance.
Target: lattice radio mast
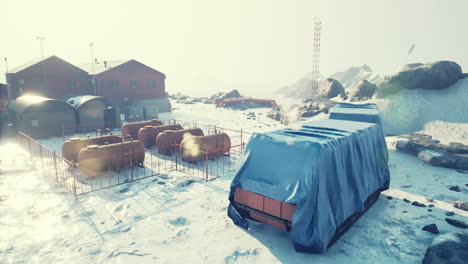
(316, 58)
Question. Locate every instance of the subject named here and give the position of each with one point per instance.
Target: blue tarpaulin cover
(327, 168)
(356, 112)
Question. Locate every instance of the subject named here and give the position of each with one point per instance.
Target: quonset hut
(95, 112)
(41, 117)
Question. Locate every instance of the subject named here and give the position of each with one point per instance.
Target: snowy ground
(157, 220)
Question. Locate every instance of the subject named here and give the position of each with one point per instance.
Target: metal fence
(118, 169)
(52, 164)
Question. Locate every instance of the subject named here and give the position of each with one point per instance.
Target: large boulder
(229, 95)
(362, 91)
(432, 76)
(450, 248)
(331, 88)
(315, 106)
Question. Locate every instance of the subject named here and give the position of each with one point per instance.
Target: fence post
(42, 156)
(206, 165)
(176, 157)
(30, 149)
(55, 166)
(131, 163)
(242, 142)
(73, 174)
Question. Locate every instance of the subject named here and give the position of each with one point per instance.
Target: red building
(51, 77)
(126, 80)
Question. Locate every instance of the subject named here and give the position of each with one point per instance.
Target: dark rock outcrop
(418, 204)
(362, 91)
(456, 222)
(432, 152)
(331, 88)
(433, 76)
(312, 107)
(432, 228)
(450, 248)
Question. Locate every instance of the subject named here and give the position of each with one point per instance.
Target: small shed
(41, 117)
(95, 112)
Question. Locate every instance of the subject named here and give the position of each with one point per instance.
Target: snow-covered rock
(431, 76)
(331, 88)
(410, 110)
(223, 96)
(363, 90)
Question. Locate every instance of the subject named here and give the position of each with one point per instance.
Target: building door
(109, 117)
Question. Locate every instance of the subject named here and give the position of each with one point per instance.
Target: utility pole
(316, 58)
(6, 64)
(41, 40)
(6, 79)
(93, 80)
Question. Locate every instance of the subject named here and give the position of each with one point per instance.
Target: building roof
(25, 102)
(35, 61)
(80, 100)
(100, 67)
(28, 64)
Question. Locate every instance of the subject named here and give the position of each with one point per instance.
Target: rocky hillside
(349, 79)
(352, 76)
(298, 89)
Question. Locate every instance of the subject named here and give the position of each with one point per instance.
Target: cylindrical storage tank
(147, 135)
(94, 159)
(166, 139)
(198, 147)
(71, 148)
(132, 129)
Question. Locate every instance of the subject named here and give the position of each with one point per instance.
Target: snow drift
(410, 110)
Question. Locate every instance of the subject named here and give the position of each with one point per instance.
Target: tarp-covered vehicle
(315, 181)
(356, 112)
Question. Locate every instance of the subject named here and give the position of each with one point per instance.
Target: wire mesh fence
(120, 168)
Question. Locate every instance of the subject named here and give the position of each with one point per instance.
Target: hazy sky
(253, 45)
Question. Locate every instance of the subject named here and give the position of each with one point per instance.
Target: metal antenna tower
(316, 58)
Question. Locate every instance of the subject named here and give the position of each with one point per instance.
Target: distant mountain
(348, 78)
(299, 89)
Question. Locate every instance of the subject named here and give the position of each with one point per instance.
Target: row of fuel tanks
(112, 152)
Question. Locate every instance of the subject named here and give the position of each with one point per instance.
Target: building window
(134, 84)
(111, 84)
(152, 84)
(73, 84)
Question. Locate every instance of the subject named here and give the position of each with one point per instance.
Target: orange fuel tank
(147, 135)
(72, 147)
(166, 140)
(94, 159)
(131, 129)
(196, 148)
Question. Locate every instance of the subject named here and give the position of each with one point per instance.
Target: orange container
(147, 135)
(72, 147)
(130, 130)
(166, 139)
(94, 159)
(196, 148)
